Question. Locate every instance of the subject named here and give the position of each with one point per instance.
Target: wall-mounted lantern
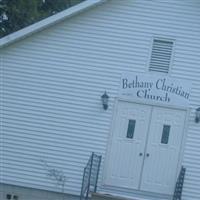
(104, 99)
(197, 117)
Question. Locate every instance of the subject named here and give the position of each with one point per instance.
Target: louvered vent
(161, 56)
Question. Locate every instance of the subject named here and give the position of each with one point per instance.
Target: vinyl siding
(53, 80)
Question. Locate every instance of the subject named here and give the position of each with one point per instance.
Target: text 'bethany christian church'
(155, 88)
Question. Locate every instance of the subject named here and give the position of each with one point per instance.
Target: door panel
(127, 145)
(145, 148)
(163, 148)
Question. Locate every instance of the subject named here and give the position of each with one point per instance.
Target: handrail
(90, 176)
(179, 184)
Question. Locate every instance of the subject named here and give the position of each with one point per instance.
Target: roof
(54, 19)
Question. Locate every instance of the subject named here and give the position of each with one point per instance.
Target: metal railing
(179, 184)
(90, 176)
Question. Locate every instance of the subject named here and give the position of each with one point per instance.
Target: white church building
(117, 78)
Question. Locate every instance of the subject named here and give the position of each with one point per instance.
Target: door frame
(109, 138)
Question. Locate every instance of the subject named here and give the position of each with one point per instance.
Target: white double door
(145, 148)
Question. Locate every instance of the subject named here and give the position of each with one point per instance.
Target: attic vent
(161, 56)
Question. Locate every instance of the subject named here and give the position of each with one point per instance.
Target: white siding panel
(53, 80)
(1, 116)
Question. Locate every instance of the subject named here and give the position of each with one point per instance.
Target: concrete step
(100, 196)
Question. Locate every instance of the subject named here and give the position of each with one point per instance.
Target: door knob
(147, 155)
(140, 154)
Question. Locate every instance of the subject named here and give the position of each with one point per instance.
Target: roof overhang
(54, 19)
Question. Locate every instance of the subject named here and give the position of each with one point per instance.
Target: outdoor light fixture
(197, 118)
(104, 99)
